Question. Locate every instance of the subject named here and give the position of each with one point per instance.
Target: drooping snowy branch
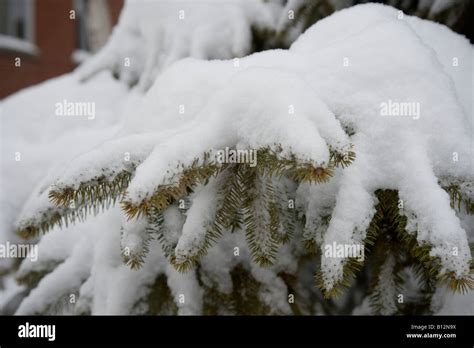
(142, 46)
(338, 91)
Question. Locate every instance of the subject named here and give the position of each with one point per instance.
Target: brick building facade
(40, 44)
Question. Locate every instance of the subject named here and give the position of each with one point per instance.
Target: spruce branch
(342, 158)
(199, 236)
(229, 212)
(100, 191)
(273, 163)
(46, 220)
(71, 204)
(320, 223)
(132, 257)
(386, 279)
(385, 215)
(156, 225)
(184, 181)
(258, 227)
(461, 195)
(307, 13)
(288, 216)
(432, 265)
(421, 252)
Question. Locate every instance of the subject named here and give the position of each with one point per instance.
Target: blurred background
(51, 37)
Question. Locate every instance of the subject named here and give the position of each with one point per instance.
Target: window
(17, 19)
(81, 25)
(17, 26)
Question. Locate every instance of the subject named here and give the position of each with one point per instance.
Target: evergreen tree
(199, 230)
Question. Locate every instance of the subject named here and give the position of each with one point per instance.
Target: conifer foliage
(198, 234)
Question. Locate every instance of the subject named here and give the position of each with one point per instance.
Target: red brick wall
(55, 38)
(115, 8)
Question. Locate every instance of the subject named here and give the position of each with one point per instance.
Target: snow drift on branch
(334, 78)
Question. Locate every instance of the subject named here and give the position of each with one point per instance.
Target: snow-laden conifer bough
(200, 236)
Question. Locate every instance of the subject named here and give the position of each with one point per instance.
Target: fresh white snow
(336, 75)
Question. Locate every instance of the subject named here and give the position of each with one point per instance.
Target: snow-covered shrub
(361, 133)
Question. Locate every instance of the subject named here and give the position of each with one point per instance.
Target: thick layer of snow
(142, 45)
(354, 70)
(245, 115)
(36, 141)
(334, 77)
(199, 220)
